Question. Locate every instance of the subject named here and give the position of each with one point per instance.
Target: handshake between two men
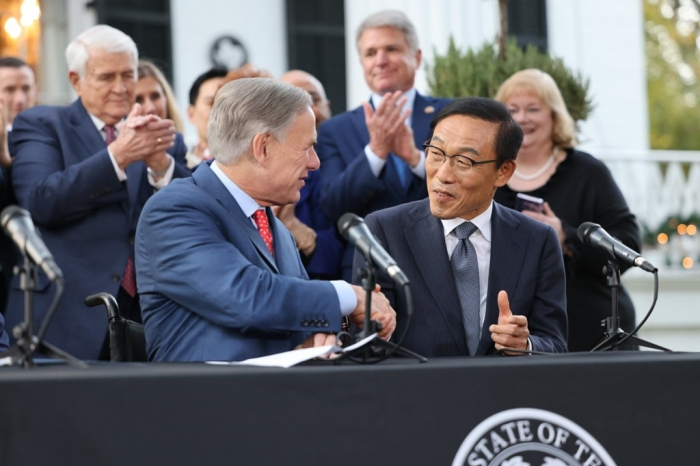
(510, 331)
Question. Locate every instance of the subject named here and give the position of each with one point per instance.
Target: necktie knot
(465, 230)
(110, 133)
(261, 221)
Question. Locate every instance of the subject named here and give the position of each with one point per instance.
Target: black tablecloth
(641, 407)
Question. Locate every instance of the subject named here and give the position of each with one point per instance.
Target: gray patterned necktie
(465, 268)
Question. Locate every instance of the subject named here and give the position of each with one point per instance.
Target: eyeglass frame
(473, 162)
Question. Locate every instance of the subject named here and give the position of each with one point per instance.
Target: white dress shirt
(121, 174)
(346, 296)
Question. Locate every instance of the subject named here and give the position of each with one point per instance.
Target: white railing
(658, 186)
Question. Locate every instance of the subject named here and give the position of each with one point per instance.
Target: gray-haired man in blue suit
(219, 275)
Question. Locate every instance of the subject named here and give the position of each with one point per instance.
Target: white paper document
(292, 358)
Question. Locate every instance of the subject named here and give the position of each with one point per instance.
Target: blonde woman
(155, 94)
(576, 188)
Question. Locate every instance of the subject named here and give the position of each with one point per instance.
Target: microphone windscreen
(585, 230)
(346, 221)
(9, 212)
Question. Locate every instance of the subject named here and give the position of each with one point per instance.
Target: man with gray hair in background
(371, 156)
(84, 173)
(220, 277)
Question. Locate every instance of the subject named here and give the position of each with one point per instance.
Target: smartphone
(526, 202)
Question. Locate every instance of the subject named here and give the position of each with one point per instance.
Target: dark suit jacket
(4, 339)
(348, 184)
(210, 290)
(324, 262)
(63, 176)
(526, 262)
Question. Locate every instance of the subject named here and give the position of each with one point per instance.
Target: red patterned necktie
(129, 278)
(260, 219)
(111, 134)
(129, 274)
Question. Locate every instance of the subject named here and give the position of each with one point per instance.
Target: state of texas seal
(530, 437)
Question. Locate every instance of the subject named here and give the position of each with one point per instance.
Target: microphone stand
(613, 333)
(368, 274)
(27, 344)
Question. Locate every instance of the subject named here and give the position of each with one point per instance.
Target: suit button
(304, 323)
(131, 241)
(326, 324)
(116, 277)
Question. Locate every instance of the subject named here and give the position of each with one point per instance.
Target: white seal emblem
(530, 437)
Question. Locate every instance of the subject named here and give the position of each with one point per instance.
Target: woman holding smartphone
(575, 188)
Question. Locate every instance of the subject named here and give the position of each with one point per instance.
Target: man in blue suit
(219, 275)
(84, 175)
(317, 239)
(371, 157)
(483, 277)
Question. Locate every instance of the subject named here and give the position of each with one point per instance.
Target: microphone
(594, 235)
(354, 229)
(18, 225)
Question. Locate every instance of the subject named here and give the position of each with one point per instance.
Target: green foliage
(480, 73)
(672, 37)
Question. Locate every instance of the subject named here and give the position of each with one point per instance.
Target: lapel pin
(429, 109)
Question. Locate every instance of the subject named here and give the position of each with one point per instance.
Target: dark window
(147, 22)
(316, 44)
(527, 22)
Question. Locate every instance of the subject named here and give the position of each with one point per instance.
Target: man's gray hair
(390, 19)
(249, 106)
(100, 37)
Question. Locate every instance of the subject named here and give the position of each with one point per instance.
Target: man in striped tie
(84, 173)
(484, 277)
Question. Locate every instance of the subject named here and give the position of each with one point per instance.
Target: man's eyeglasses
(459, 163)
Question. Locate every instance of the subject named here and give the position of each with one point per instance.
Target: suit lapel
(508, 247)
(286, 254)
(358, 122)
(208, 181)
(426, 239)
(84, 130)
(420, 122)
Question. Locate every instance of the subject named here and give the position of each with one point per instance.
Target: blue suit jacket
(526, 262)
(63, 176)
(210, 290)
(324, 262)
(348, 184)
(4, 339)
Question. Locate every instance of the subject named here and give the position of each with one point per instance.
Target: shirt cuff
(121, 174)
(529, 345)
(419, 170)
(375, 162)
(346, 296)
(167, 178)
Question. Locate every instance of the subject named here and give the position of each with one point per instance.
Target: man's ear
(74, 79)
(190, 113)
(261, 147)
(505, 171)
(419, 58)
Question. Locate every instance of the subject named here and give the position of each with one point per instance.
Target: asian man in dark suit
(483, 277)
(84, 173)
(219, 275)
(371, 157)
